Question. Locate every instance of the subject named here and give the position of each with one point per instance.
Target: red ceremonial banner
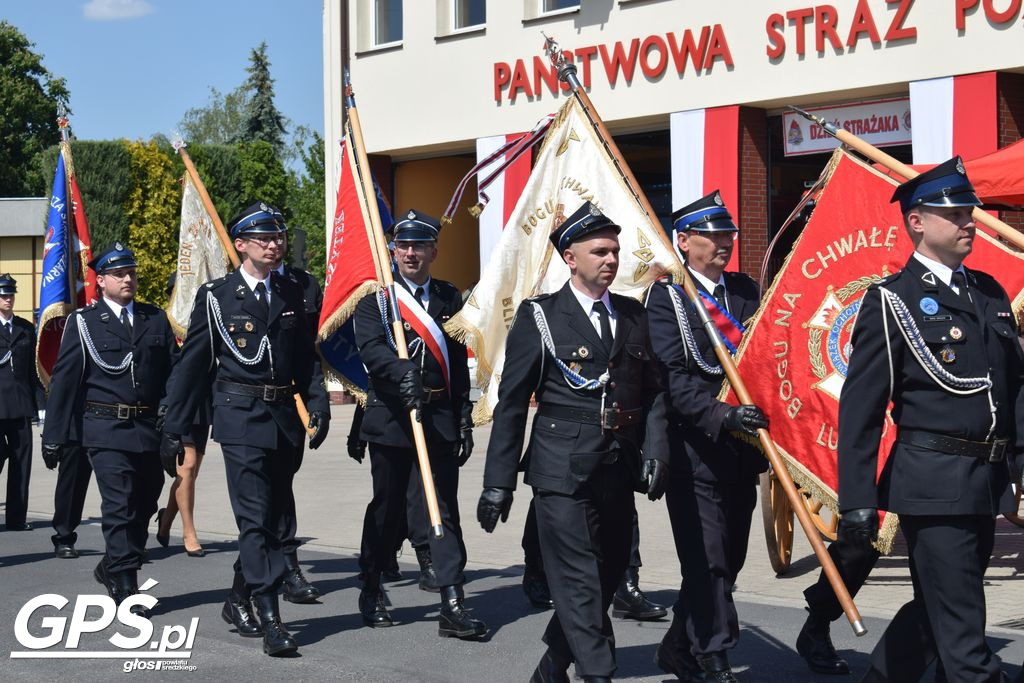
(794, 355)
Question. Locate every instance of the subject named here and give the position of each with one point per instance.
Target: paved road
(332, 493)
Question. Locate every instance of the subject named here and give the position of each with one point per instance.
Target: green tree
(29, 95)
(306, 201)
(264, 122)
(263, 177)
(222, 121)
(153, 210)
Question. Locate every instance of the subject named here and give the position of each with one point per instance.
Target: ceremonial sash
(426, 327)
(729, 328)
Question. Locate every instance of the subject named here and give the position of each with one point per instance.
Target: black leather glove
(655, 474)
(356, 449)
(465, 446)
(172, 453)
(494, 503)
(859, 526)
(161, 417)
(53, 453)
(745, 418)
(319, 422)
(410, 389)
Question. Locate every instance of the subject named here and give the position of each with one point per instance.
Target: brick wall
(1010, 109)
(753, 184)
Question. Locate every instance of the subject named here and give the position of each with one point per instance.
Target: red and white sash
(427, 329)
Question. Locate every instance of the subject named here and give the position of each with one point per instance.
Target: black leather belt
(612, 418)
(266, 392)
(992, 451)
(118, 411)
(431, 395)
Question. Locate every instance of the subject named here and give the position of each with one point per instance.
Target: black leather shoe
(428, 577)
(295, 587)
(373, 608)
(631, 603)
(682, 665)
(18, 526)
(100, 573)
(716, 668)
(163, 539)
(814, 644)
(277, 641)
(535, 585)
(455, 621)
(597, 679)
(65, 551)
(550, 670)
(391, 573)
(238, 612)
(123, 585)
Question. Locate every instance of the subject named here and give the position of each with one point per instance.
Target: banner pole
(380, 251)
(567, 73)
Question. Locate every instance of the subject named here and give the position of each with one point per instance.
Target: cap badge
(960, 167)
(411, 215)
(594, 211)
(264, 207)
(718, 199)
(118, 246)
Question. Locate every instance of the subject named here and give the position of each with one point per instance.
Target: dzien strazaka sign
(883, 123)
(821, 28)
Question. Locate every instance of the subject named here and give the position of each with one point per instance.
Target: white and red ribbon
(427, 329)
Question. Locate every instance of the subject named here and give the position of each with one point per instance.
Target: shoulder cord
(382, 306)
(930, 364)
(213, 308)
(690, 344)
(87, 343)
(572, 378)
(6, 359)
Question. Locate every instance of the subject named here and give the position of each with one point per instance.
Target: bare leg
(185, 495)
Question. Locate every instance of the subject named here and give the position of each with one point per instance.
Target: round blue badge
(929, 306)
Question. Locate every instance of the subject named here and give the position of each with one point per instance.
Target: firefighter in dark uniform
(937, 340)
(23, 400)
(586, 354)
(445, 410)
(712, 490)
(251, 325)
(295, 587)
(73, 476)
(108, 384)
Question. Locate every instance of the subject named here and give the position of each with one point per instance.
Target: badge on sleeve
(929, 306)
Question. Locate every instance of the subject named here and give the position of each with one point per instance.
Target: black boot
(631, 603)
(294, 586)
(716, 668)
(391, 573)
(814, 644)
(373, 606)
(673, 655)
(455, 620)
(550, 669)
(276, 639)
(238, 610)
(126, 584)
(428, 577)
(535, 585)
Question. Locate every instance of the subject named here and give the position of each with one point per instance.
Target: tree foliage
(222, 121)
(153, 210)
(263, 122)
(263, 177)
(306, 201)
(29, 95)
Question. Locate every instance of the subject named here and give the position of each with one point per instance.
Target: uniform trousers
(73, 475)
(711, 526)
(531, 541)
(585, 540)
(946, 617)
(385, 522)
(16, 452)
(289, 523)
(259, 483)
(854, 562)
(130, 485)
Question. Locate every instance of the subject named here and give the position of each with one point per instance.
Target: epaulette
(87, 307)
(539, 297)
(442, 284)
(889, 279)
(737, 275)
(665, 279)
(212, 284)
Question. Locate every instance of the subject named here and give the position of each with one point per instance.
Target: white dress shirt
(252, 281)
(413, 287)
(588, 308)
(116, 308)
(710, 284)
(941, 270)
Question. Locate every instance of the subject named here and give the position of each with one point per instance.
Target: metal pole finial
(63, 123)
(829, 128)
(566, 69)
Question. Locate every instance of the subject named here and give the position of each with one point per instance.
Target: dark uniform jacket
(386, 422)
(291, 359)
(562, 454)
(19, 385)
(77, 378)
(312, 297)
(695, 413)
(918, 481)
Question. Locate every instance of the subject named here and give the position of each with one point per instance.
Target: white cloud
(113, 10)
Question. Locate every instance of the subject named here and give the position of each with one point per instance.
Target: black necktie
(720, 297)
(606, 325)
(261, 294)
(961, 284)
(419, 297)
(9, 329)
(125, 321)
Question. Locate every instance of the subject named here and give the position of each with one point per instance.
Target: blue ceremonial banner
(55, 289)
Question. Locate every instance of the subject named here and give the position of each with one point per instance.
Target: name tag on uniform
(1004, 314)
(287, 313)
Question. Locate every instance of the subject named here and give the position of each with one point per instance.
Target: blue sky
(135, 66)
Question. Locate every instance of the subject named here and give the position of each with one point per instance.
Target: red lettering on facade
(502, 74)
(544, 71)
(961, 12)
(776, 39)
(897, 31)
(1008, 14)
(652, 44)
(695, 52)
(520, 81)
(719, 49)
(799, 18)
(863, 24)
(585, 54)
(619, 60)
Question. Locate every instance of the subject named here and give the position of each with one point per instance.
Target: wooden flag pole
(380, 254)
(229, 249)
(567, 73)
(898, 167)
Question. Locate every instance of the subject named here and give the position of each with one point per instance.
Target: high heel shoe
(162, 539)
(195, 553)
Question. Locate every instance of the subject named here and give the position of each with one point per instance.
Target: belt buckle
(124, 411)
(269, 393)
(609, 419)
(998, 451)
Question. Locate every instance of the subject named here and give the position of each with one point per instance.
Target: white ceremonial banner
(572, 167)
(201, 257)
(883, 123)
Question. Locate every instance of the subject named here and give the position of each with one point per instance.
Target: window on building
(552, 5)
(387, 21)
(469, 13)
